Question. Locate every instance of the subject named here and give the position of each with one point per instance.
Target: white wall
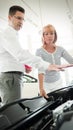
(39, 13)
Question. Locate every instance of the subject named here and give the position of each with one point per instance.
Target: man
(13, 58)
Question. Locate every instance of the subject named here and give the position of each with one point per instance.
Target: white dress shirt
(13, 57)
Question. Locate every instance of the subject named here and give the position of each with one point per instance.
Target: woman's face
(49, 36)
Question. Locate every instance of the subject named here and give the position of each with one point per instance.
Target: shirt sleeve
(12, 46)
(67, 56)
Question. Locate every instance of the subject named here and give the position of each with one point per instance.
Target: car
(33, 112)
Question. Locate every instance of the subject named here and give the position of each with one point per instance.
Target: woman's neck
(50, 48)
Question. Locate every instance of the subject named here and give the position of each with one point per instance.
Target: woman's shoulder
(39, 50)
(60, 48)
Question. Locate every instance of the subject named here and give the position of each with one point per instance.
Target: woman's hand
(43, 93)
(59, 67)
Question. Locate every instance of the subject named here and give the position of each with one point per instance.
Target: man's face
(16, 21)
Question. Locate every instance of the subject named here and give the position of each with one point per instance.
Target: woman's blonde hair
(51, 29)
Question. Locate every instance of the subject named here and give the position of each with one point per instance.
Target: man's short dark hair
(14, 9)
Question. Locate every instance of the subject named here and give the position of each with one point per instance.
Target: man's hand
(28, 69)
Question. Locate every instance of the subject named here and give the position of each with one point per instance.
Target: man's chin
(18, 28)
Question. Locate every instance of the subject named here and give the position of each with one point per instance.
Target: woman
(51, 53)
